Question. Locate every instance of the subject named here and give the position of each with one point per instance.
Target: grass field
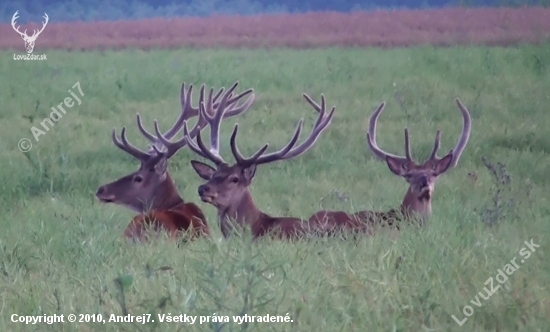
(63, 252)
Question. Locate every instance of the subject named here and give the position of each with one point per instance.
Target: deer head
(227, 187)
(421, 177)
(29, 40)
(151, 187)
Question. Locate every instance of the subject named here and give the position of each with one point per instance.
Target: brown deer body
(150, 191)
(421, 179)
(242, 209)
(182, 217)
(227, 187)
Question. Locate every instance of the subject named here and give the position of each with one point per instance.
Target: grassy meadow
(61, 251)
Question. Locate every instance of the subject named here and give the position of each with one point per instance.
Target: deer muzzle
(205, 194)
(104, 196)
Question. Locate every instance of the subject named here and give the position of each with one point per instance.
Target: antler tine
(171, 147)
(217, 95)
(408, 154)
(192, 145)
(314, 104)
(201, 149)
(187, 109)
(244, 106)
(187, 112)
(288, 151)
(201, 122)
(127, 147)
(220, 110)
(437, 143)
(215, 120)
(237, 154)
(464, 135)
(212, 106)
(212, 114)
(258, 157)
(144, 131)
(371, 137)
(321, 124)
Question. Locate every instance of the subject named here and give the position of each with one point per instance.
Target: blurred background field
(380, 28)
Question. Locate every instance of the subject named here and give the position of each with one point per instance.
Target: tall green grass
(63, 252)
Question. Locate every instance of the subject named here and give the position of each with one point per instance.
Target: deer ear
(443, 164)
(396, 166)
(161, 166)
(203, 170)
(249, 172)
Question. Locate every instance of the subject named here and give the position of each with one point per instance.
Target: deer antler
(213, 116)
(128, 147)
(456, 151)
(161, 145)
(464, 135)
(371, 139)
(462, 140)
(288, 151)
(187, 112)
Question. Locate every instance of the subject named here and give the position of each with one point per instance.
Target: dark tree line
(90, 10)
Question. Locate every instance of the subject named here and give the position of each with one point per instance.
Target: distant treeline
(92, 10)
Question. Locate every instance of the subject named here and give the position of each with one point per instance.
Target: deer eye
(235, 180)
(138, 178)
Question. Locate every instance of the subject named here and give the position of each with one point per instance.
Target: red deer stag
(421, 179)
(227, 187)
(151, 190)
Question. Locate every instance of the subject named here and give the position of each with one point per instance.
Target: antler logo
(29, 40)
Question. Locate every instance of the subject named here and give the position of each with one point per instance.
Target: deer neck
(166, 195)
(414, 205)
(243, 213)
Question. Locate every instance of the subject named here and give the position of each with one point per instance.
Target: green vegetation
(63, 252)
